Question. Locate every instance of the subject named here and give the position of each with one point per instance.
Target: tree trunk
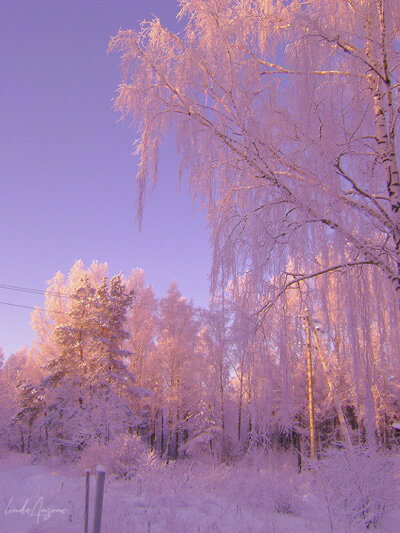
(176, 450)
(22, 440)
(240, 400)
(332, 388)
(385, 117)
(162, 432)
(310, 391)
(221, 391)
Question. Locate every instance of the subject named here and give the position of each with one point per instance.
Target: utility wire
(33, 291)
(49, 310)
(34, 308)
(27, 290)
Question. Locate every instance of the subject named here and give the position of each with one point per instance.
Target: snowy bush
(124, 456)
(253, 481)
(277, 478)
(358, 485)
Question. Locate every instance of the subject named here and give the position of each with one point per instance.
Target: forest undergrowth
(343, 491)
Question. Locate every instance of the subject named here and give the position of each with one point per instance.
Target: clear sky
(67, 188)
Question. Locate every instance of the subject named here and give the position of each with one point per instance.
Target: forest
(160, 392)
(109, 359)
(285, 116)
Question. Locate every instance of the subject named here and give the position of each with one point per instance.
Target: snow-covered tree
(210, 431)
(89, 392)
(178, 366)
(286, 119)
(20, 401)
(141, 325)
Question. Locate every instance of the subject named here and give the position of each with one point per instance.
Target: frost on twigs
(124, 456)
(285, 115)
(358, 487)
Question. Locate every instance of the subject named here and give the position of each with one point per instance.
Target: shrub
(359, 487)
(124, 456)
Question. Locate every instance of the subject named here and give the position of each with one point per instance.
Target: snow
(182, 497)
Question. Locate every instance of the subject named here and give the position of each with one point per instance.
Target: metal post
(98, 504)
(86, 515)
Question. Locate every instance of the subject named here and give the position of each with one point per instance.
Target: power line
(28, 290)
(33, 291)
(34, 308)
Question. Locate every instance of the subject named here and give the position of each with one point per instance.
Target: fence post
(98, 504)
(86, 515)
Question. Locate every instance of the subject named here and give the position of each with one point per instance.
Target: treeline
(109, 358)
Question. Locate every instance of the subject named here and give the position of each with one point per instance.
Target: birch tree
(215, 366)
(177, 351)
(141, 325)
(286, 119)
(19, 381)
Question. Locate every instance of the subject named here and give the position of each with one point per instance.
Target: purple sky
(67, 175)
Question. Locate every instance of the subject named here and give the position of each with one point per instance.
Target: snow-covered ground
(184, 497)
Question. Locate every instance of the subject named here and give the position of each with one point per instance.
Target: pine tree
(89, 388)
